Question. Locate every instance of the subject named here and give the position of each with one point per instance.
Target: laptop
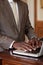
(37, 53)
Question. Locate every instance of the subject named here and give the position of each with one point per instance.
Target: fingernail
(37, 46)
(25, 50)
(34, 49)
(30, 49)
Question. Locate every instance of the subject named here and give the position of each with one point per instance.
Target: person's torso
(7, 22)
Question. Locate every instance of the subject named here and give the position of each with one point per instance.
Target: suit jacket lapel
(21, 15)
(20, 8)
(11, 16)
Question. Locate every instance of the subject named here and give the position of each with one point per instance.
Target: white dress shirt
(14, 7)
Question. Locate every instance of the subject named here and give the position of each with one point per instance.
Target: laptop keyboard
(34, 52)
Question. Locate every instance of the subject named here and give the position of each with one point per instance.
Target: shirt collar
(10, 1)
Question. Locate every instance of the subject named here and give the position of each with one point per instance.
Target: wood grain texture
(38, 23)
(7, 59)
(41, 3)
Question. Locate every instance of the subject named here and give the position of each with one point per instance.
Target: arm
(29, 31)
(5, 42)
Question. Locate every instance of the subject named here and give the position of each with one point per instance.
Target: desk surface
(21, 60)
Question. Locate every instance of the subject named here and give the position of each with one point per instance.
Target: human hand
(22, 46)
(35, 43)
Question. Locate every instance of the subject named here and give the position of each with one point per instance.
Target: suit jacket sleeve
(5, 42)
(29, 31)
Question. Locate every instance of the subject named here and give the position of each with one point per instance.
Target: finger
(30, 46)
(22, 48)
(39, 44)
(33, 44)
(26, 48)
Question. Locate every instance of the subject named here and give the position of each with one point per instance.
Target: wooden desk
(0, 61)
(7, 59)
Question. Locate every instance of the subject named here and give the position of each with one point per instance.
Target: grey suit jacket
(8, 28)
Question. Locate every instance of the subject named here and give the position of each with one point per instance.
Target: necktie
(16, 14)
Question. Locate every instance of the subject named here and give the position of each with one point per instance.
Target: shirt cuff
(33, 37)
(11, 44)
